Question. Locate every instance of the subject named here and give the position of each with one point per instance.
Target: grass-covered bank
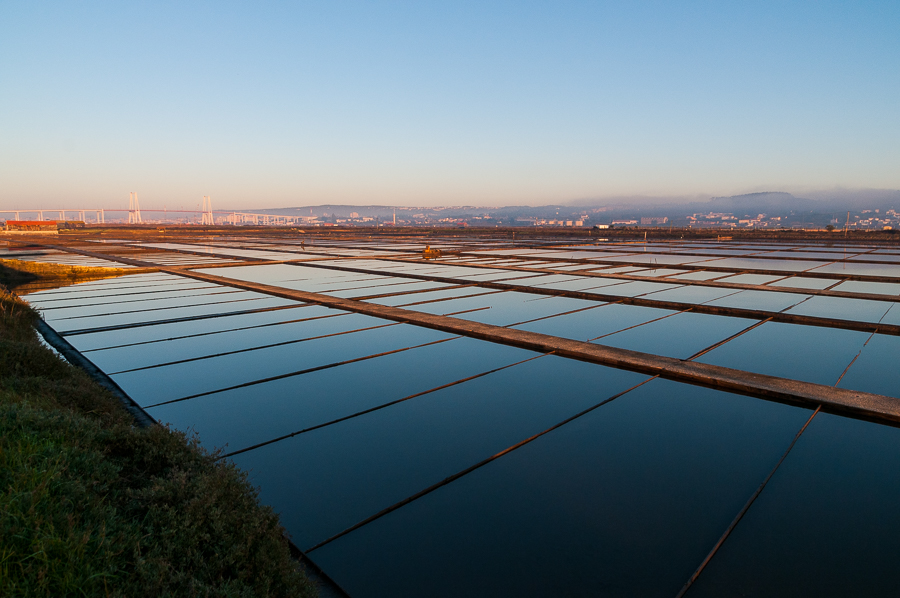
(92, 506)
(21, 273)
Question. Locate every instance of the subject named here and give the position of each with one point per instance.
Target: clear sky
(264, 104)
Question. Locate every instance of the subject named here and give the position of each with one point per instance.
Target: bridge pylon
(206, 208)
(134, 209)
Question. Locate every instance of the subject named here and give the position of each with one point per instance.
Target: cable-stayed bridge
(135, 215)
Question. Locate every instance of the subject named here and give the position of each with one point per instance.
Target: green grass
(92, 506)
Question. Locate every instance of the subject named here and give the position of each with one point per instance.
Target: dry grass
(17, 273)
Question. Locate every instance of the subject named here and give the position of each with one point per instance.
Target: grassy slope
(91, 506)
(14, 268)
(21, 273)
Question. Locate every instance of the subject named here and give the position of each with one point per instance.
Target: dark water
(681, 335)
(315, 323)
(826, 525)
(246, 416)
(156, 385)
(625, 501)
(807, 353)
(590, 324)
(117, 337)
(346, 472)
(875, 370)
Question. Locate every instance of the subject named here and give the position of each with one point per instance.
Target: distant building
(654, 220)
(32, 226)
(540, 222)
(70, 225)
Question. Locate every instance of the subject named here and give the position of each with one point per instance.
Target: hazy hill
(766, 202)
(773, 203)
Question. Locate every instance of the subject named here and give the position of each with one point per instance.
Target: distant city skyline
(499, 103)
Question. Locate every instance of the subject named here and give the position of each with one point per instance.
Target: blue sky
(427, 103)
